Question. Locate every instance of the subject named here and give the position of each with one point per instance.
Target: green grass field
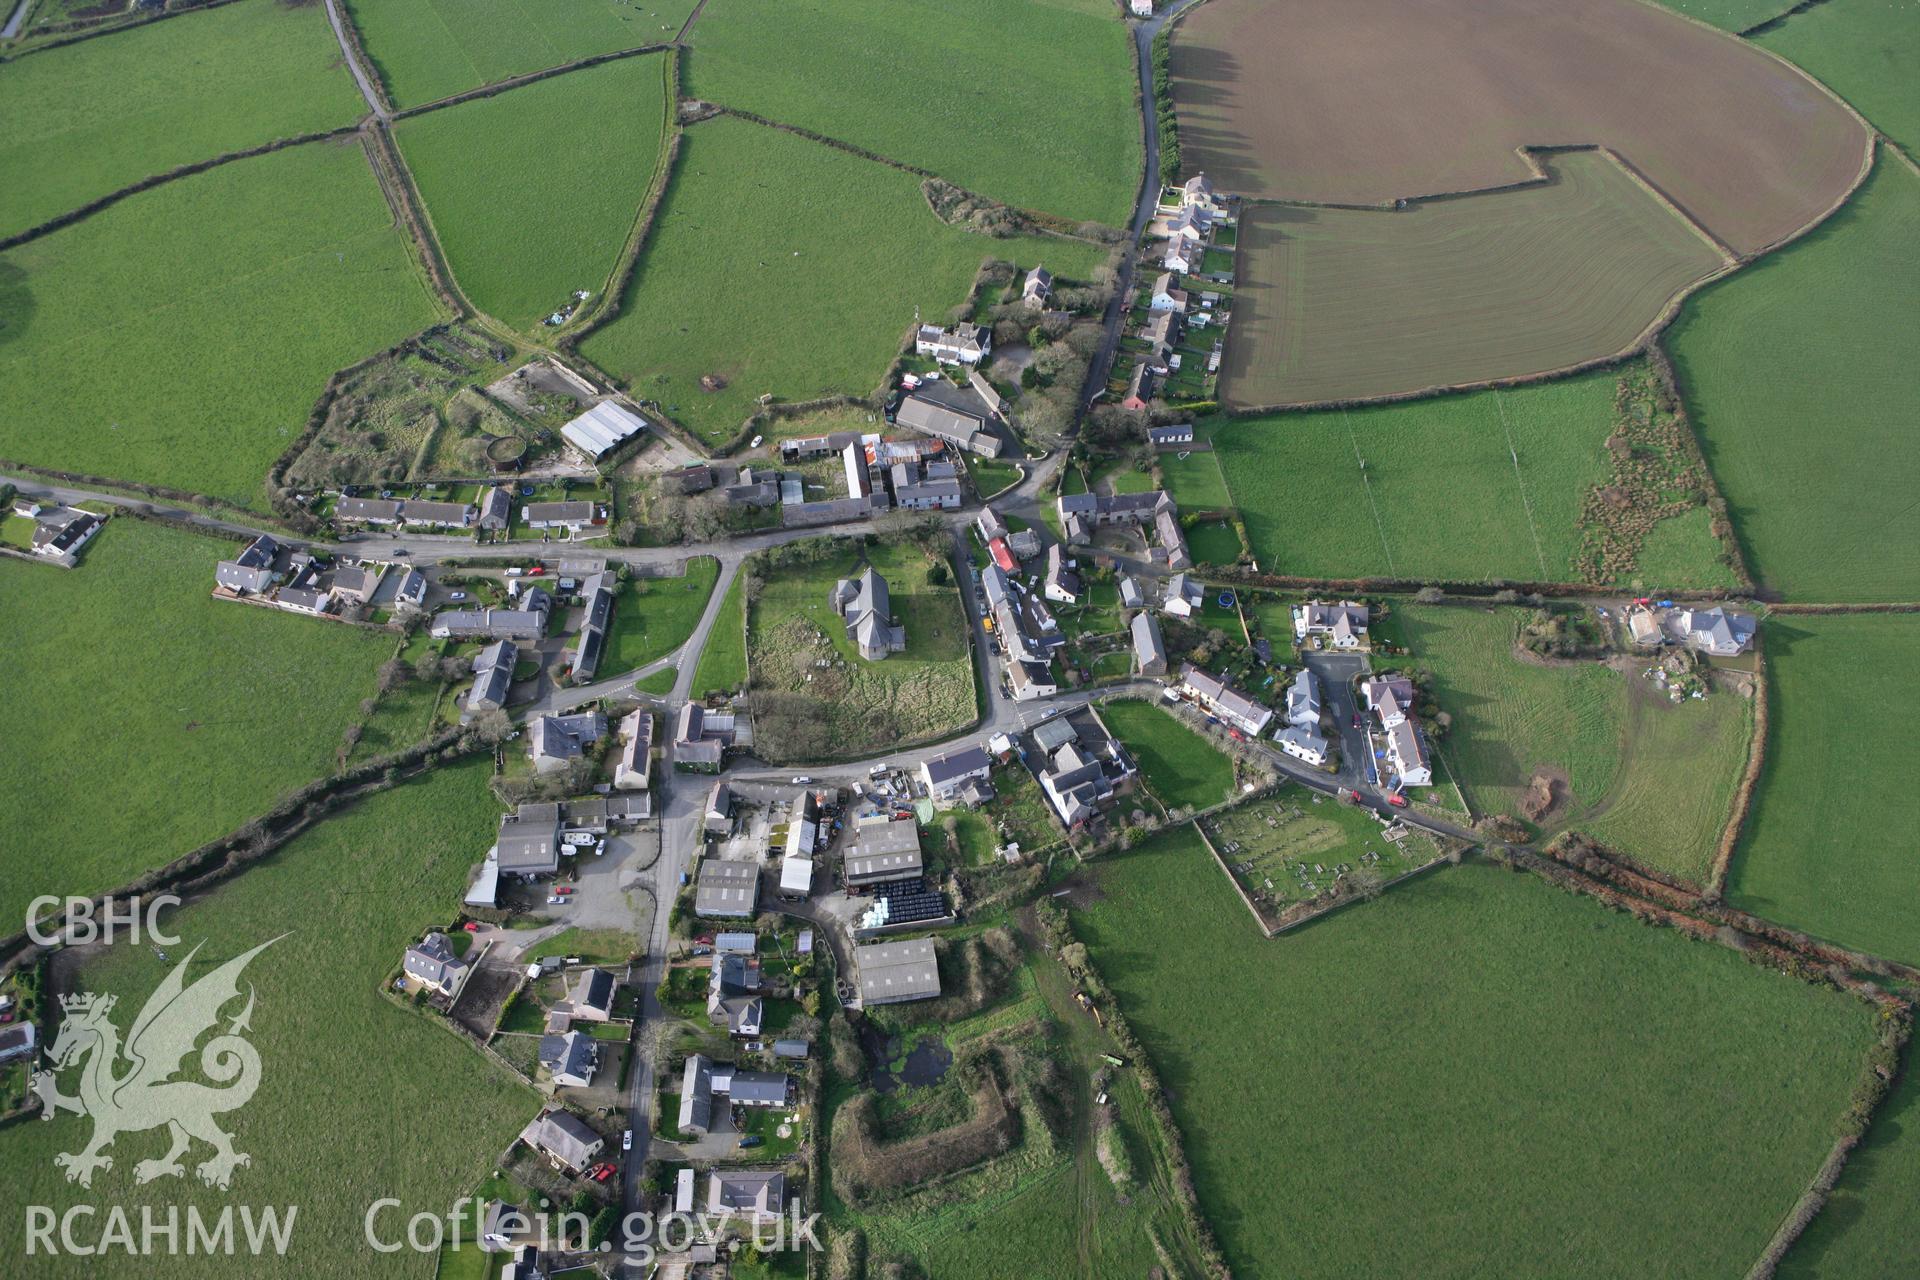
(1512, 717)
(179, 715)
(1827, 846)
(971, 91)
(1648, 777)
(182, 336)
(723, 659)
(1468, 488)
(1687, 1098)
(228, 79)
(1867, 53)
(1196, 481)
(1798, 373)
(857, 705)
(823, 303)
(654, 616)
(496, 174)
(425, 52)
(337, 1122)
(1863, 1230)
(1181, 767)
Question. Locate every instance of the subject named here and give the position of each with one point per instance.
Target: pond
(891, 1062)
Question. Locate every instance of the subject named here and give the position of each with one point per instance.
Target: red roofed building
(1001, 556)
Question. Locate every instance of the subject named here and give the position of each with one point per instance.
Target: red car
(564, 890)
(1397, 800)
(536, 571)
(471, 926)
(601, 1172)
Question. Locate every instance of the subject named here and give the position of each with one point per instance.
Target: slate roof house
(864, 602)
(492, 678)
(563, 1138)
(496, 509)
(947, 775)
(570, 1059)
(1149, 649)
(1718, 631)
(528, 622)
(733, 993)
(1303, 700)
(962, 344)
(553, 740)
(1225, 701)
(1062, 583)
(1184, 596)
(1344, 624)
(635, 762)
(753, 1195)
(1163, 437)
(1037, 287)
(591, 999)
(431, 965)
(1304, 743)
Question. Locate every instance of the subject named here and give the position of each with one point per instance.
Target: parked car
(536, 571)
(801, 780)
(555, 900)
(563, 891)
(626, 1140)
(751, 1140)
(757, 442)
(1397, 800)
(457, 595)
(515, 572)
(471, 926)
(401, 551)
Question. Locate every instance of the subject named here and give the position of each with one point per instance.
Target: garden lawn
(1799, 375)
(1512, 717)
(1183, 769)
(1462, 488)
(654, 616)
(90, 118)
(823, 301)
(425, 50)
(336, 1123)
(1867, 53)
(723, 658)
(974, 90)
(179, 715)
(496, 174)
(1440, 1068)
(1828, 846)
(1195, 481)
(182, 336)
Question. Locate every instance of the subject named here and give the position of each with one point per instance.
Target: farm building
(947, 413)
(602, 429)
(726, 890)
(881, 849)
(895, 972)
(529, 840)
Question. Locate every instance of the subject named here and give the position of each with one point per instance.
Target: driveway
(1337, 672)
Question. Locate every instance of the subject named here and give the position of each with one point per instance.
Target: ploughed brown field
(1337, 304)
(1369, 101)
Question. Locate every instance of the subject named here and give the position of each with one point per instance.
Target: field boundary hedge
(148, 183)
(224, 857)
(1722, 865)
(115, 491)
(527, 78)
(89, 29)
(1186, 1197)
(612, 294)
(403, 197)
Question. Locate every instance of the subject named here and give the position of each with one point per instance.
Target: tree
(1429, 595)
(937, 574)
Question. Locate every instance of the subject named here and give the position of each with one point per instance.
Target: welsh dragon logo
(132, 1088)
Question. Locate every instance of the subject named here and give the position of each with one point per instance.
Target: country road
(360, 74)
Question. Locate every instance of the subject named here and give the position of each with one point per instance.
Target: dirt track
(1368, 101)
